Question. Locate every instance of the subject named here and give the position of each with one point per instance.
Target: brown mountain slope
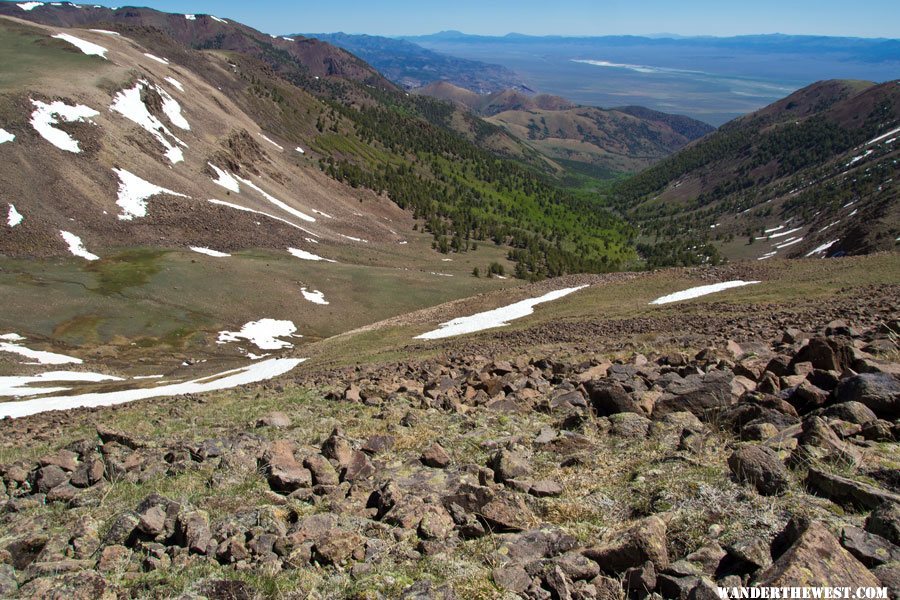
(600, 142)
(813, 174)
(288, 56)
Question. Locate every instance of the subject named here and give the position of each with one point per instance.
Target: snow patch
(307, 255)
(778, 235)
(88, 48)
(498, 317)
(225, 179)
(276, 144)
(353, 239)
(17, 386)
(175, 83)
(29, 5)
(703, 290)
(40, 357)
(76, 246)
(6, 136)
(253, 373)
(789, 242)
(129, 104)
(823, 248)
(106, 32)
(301, 150)
(134, 193)
(156, 58)
(217, 19)
(315, 296)
(208, 252)
(13, 218)
(873, 140)
(190, 17)
(46, 116)
(258, 212)
(276, 201)
(263, 334)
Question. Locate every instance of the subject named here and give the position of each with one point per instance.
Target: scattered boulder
(816, 559)
(276, 420)
(760, 466)
(847, 492)
(869, 549)
(643, 541)
(285, 474)
(885, 522)
(436, 457)
(880, 392)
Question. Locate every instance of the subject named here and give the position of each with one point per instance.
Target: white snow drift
(499, 317)
(263, 334)
(13, 218)
(76, 246)
(134, 193)
(88, 48)
(38, 356)
(246, 375)
(285, 207)
(225, 179)
(315, 296)
(703, 290)
(129, 104)
(6, 136)
(208, 252)
(307, 255)
(46, 116)
(18, 386)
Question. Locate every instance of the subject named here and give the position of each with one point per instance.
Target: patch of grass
(131, 268)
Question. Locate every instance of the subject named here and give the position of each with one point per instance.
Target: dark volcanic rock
(848, 492)
(870, 549)
(643, 541)
(760, 467)
(880, 392)
(816, 559)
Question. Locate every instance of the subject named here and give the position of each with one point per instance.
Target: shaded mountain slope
(820, 164)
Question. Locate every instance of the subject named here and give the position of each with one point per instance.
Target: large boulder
(760, 466)
(705, 396)
(880, 392)
(609, 398)
(643, 541)
(285, 474)
(885, 521)
(816, 559)
(847, 492)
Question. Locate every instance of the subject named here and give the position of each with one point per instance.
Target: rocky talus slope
(652, 475)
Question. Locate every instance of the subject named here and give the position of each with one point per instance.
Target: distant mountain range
(413, 66)
(710, 79)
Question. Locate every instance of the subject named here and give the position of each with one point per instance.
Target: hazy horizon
(577, 18)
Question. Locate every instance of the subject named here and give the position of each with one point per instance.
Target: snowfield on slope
(263, 334)
(315, 296)
(46, 116)
(209, 252)
(6, 136)
(88, 48)
(40, 357)
(134, 193)
(76, 246)
(253, 373)
(18, 385)
(129, 104)
(303, 254)
(13, 217)
(498, 317)
(703, 290)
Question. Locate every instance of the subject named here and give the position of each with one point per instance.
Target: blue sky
(864, 18)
